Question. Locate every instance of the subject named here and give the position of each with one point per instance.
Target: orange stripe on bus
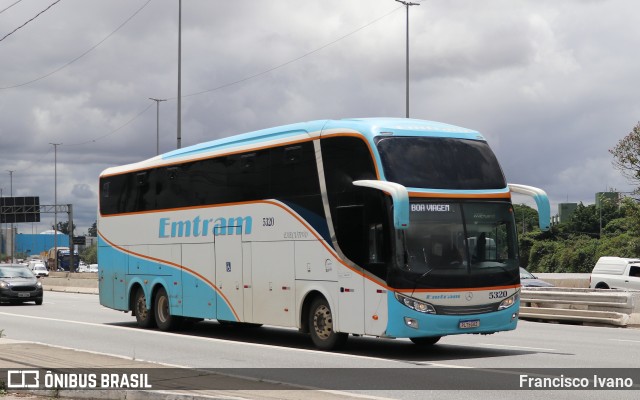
(175, 265)
(506, 195)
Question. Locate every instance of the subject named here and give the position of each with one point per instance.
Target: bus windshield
(457, 245)
(440, 163)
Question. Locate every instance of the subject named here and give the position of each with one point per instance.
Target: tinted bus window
(358, 214)
(440, 163)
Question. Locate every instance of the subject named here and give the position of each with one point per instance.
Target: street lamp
(1, 223)
(55, 204)
(157, 123)
(407, 4)
(13, 237)
(179, 134)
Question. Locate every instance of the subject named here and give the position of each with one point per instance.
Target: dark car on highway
(18, 285)
(527, 279)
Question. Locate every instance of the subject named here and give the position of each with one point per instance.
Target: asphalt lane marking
(355, 395)
(515, 347)
(625, 340)
(155, 332)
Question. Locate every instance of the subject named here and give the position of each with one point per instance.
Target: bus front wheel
(144, 316)
(162, 312)
(321, 326)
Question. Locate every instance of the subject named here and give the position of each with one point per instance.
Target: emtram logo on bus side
(202, 227)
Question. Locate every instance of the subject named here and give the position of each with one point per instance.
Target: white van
(616, 273)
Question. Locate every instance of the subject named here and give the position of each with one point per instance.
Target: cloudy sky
(551, 84)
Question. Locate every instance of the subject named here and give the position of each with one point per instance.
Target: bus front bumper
(407, 323)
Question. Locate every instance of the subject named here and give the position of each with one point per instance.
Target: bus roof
(367, 127)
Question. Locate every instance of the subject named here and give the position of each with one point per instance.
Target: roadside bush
(542, 257)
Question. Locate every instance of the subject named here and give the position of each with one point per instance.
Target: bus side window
(355, 210)
(292, 155)
(144, 199)
(375, 243)
(294, 173)
(248, 176)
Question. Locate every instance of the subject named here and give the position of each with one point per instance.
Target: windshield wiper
(421, 277)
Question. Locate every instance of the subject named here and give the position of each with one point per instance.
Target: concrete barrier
(566, 280)
(77, 282)
(590, 306)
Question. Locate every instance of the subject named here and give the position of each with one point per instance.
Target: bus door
(228, 269)
(273, 283)
(198, 292)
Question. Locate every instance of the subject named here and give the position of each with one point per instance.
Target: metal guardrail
(591, 306)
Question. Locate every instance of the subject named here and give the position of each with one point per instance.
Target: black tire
(321, 326)
(425, 341)
(38, 301)
(602, 285)
(162, 311)
(144, 316)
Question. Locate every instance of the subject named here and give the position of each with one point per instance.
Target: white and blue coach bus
(396, 228)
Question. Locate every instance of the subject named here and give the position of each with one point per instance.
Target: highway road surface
(466, 366)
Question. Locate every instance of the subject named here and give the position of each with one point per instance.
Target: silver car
(18, 284)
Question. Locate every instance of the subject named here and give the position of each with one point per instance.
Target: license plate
(473, 323)
(24, 294)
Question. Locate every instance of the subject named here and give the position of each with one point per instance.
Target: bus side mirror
(542, 202)
(399, 195)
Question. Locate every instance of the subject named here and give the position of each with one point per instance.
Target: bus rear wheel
(162, 312)
(425, 341)
(321, 326)
(144, 316)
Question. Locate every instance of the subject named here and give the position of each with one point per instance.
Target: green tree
(542, 256)
(90, 254)
(626, 155)
(93, 230)
(587, 220)
(64, 227)
(526, 218)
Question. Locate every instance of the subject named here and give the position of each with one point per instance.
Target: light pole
(157, 123)
(1, 223)
(13, 237)
(55, 205)
(3, 232)
(407, 4)
(179, 144)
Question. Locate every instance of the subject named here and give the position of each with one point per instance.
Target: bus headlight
(416, 304)
(509, 301)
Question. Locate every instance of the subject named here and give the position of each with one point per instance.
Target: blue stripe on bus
(244, 139)
(316, 221)
(189, 294)
(368, 127)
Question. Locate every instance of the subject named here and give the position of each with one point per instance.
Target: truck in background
(616, 273)
(63, 259)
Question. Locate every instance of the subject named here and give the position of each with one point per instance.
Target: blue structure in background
(35, 244)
